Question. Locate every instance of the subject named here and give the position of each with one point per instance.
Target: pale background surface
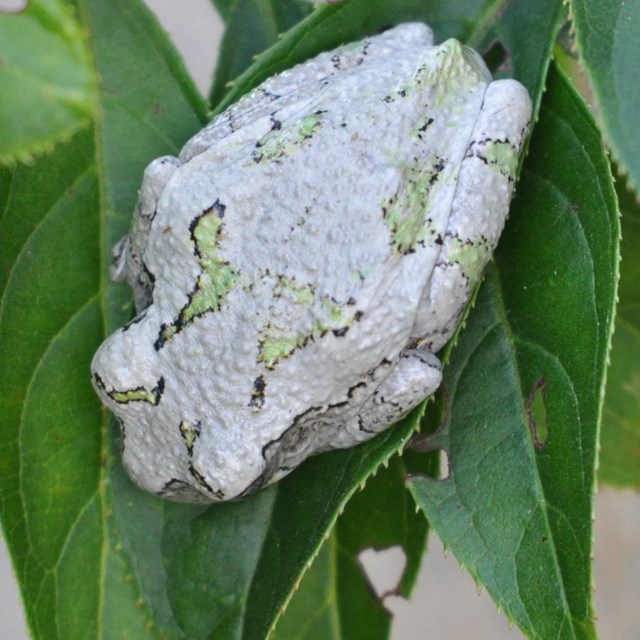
(445, 604)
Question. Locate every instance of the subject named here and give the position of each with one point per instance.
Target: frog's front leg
(388, 393)
(128, 254)
(416, 375)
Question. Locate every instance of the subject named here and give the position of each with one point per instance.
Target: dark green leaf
(224, 7)
(620, 451)
(516, 509)
(527, 32)
(252, 27)
(47, 85)
(94, 555)
(54, 501)
(49, 453)
(607, 37)
(335, 600)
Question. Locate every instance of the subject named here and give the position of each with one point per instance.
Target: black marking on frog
(218, 207)
(182, 490)
(229, 121)
(422, 129)
(398, 94)
(436, 169)
(175, 485)
(355, 387)
(276, 124)
(271, 96)
(361, 426)
(257, 395)
(201, 480)
(344, 60)
(340, 332)
(139, 318)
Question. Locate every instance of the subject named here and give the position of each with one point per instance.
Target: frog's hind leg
(479, 208)
(415, 376)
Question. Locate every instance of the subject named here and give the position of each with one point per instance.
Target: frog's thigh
(416, 376)
(478, 211)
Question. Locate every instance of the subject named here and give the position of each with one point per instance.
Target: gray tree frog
(299, 264)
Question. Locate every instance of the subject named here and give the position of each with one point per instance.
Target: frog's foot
(416, 376)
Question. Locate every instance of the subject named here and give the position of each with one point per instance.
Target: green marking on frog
(190, 434)
(277, 343)
(470, 256)
(501, 155)
(406, 213)
(303, 294)
(279, 144)
(139, 394)
(218, 277)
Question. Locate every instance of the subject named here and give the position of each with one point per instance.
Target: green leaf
(524, 386)
(224, 7)
(606, 32)
(94, 555)
(252, 27)
(47, 323)
(620, 449)
(335, 599)
(527, 32)
(54, 502)
(47, 85)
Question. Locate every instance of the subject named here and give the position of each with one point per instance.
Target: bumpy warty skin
(299, 264)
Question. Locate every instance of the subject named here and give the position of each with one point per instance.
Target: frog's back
(339, 194)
